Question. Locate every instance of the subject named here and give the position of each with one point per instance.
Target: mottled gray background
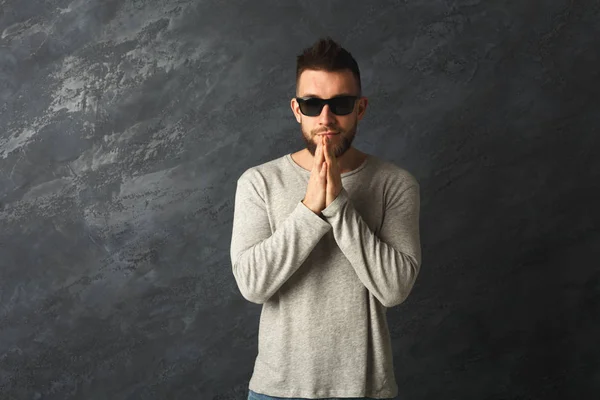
(124, 126)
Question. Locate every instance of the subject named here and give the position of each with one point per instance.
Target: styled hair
(327, 55)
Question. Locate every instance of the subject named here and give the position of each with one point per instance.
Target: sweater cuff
(308, 213)
(337, 204)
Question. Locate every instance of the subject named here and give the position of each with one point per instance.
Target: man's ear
(293, 105)
(362, 107)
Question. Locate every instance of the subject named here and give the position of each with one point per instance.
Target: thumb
(323, 171)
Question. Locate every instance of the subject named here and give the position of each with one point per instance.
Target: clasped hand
(325, 181)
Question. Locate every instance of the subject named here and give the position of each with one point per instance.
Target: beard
(340, 143)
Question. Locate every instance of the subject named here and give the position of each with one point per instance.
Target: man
(326, 239)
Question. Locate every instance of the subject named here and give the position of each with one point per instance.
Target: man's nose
(326, 115)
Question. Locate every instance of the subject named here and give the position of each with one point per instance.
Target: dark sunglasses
(312, 106)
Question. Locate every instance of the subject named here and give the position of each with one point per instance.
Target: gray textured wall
(124, 126)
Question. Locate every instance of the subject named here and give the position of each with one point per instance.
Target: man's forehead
(326, 84)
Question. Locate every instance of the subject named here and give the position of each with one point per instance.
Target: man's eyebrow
(337, 95)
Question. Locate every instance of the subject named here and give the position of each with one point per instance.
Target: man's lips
(328, 134)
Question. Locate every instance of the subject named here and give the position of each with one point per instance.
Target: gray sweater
(325, 284)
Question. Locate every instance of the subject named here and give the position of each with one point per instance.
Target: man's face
(325, 85)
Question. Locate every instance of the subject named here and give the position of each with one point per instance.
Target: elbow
(248, 286)
(399, 294)
(394, 299)
(252, 296)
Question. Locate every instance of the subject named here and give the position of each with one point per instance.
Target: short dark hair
(327, 55)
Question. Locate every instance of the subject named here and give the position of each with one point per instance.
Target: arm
(262, 260)
(387, 265)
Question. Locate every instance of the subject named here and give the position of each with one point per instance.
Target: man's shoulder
(264, 171)
(392, 171)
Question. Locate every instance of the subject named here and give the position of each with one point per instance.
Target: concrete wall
(124, 126)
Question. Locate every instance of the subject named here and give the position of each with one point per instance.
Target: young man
(326, 239)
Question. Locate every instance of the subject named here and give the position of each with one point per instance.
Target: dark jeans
(258, 396)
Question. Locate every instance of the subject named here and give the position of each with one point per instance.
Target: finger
(317, 158)
(332, 160)
(320, 150)
(326, 151)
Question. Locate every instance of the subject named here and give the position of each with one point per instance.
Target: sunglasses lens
(342, 105)
(311, 107)
(339, 105)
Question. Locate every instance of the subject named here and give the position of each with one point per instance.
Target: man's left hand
(334, 178)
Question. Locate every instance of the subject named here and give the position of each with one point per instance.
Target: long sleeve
(263, 260)
(387, 265)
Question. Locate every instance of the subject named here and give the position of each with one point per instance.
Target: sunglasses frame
(301, 101)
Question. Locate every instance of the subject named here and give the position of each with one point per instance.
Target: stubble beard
(343, 141)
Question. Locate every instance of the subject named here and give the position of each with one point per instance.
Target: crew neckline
(343, 175)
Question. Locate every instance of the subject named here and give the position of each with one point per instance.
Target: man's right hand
(317, 184)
